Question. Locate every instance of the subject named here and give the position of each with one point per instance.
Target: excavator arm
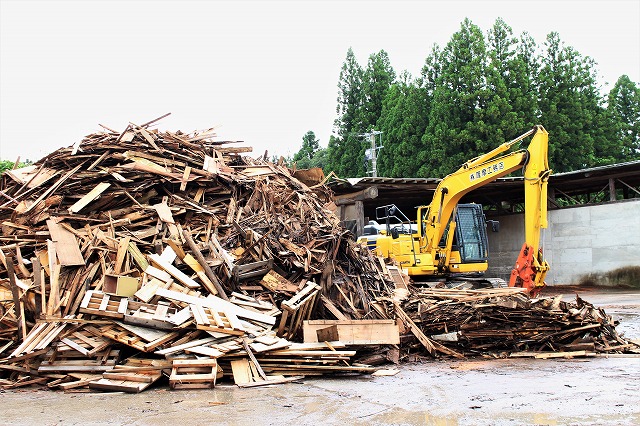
(530, 268)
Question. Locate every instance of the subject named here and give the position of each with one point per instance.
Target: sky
(263, 72)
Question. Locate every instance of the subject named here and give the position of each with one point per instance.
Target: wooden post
(359, 218)
(612, 189)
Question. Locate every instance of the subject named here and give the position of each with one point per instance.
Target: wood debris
(506, 322)
(140, 255)
(167, 245)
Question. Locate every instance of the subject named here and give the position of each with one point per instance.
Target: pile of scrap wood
(137, 255)
(173, 246)
(504, 322)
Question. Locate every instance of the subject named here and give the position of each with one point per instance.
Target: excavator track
(480, 282)
(466, 282)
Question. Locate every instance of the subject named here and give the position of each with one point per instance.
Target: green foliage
(455, 130)
(571, 108)
(403, 121)
(310, 155)
(377, 79)
(476, 92)
(309, 147)
(8, 165)
(349, 110)
(624, 107)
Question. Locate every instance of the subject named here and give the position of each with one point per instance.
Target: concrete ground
(602, 391)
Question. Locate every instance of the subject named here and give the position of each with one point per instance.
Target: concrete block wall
(579, 242)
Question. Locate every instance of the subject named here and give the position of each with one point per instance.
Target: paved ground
(473, 392)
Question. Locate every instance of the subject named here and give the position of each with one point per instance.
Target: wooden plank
(241, 371)
(173, 271)
(174, 349)
(67, 248)
(18, 307)
(158, 273)
(355, 332)
(164, 212)
(123, 247)
(89, 197)
(205, 351)
(128, 386)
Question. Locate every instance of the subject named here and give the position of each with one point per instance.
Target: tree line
(476, 92)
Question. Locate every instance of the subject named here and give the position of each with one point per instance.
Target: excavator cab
(471, 234)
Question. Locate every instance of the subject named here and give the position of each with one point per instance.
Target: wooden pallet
(75, 362)
(296, 310)
(134, 376)
(103, 304)
(194, 374)
(83, 342)
(212, 319)
(140, 338)
(148, 315)
(39, 337)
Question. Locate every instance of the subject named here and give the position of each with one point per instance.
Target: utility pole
(372, 152)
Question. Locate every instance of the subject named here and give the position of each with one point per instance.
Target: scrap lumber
(173, 245)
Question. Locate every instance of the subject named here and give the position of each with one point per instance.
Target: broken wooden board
(129, 382)
(66, 246)
(89, 197)
(277, 283)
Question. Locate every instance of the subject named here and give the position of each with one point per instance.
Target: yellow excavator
(449, 240)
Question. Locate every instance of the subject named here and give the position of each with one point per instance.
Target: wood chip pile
(140, 253)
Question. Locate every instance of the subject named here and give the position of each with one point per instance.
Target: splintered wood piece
(276, 282)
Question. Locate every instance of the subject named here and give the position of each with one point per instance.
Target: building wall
(580, 242)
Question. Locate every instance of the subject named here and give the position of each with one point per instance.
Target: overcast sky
(265, 72)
